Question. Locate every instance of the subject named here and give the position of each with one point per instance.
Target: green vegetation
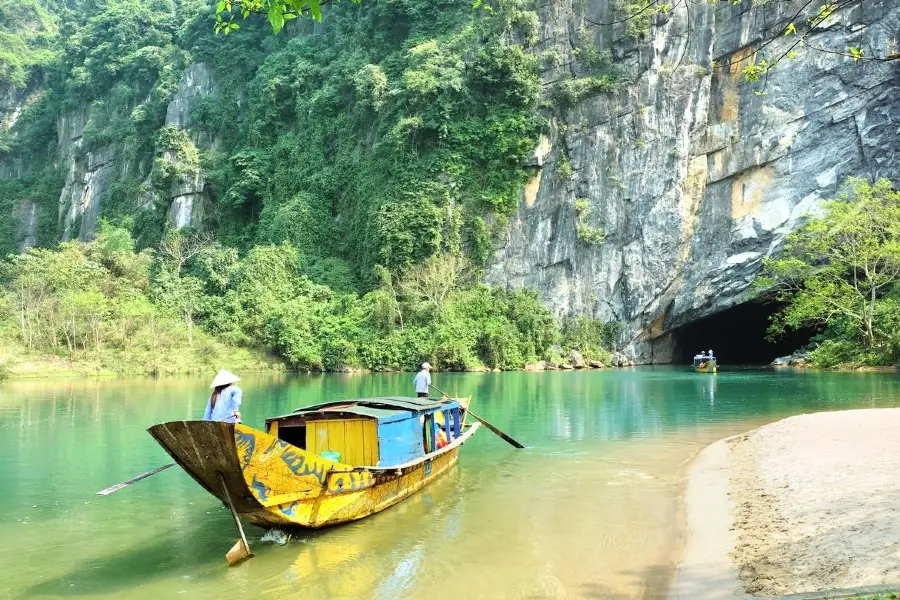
(188, 306)
(840, 273)
(639, 15)
(27, 31)
(586, 233)
(106, 307)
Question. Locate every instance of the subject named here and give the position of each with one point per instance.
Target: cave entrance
(737, 336)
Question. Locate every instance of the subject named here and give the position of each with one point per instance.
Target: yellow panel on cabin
(370, 443)
(336, 437)
(316, 436)
(355, 439)
(353, 443)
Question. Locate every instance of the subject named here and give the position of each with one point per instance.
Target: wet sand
(806, 504)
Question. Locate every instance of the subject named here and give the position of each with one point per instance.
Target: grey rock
(197, 83)
(576, 359)
(26, 215)
(540, 365)
(596, 364)
(693, 178)
(620, 360)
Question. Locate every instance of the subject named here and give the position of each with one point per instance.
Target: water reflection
(588, 507)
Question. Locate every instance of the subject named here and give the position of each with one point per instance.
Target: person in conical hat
(225, 401)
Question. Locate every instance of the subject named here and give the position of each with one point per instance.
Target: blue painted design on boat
(261, 489)
(297, 463)
(289, 510)
(245, 443)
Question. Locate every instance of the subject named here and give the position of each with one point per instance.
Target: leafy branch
(277, 12)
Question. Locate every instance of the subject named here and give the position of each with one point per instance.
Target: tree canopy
(840, 272)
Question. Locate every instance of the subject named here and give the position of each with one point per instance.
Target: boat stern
(206, 450)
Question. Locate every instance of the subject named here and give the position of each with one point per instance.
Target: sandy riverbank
(806, 504)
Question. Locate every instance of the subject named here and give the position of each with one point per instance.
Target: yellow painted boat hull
(275, 484)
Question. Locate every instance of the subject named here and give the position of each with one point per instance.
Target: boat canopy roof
(384, 410)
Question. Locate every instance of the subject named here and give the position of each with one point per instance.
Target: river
(589, 510)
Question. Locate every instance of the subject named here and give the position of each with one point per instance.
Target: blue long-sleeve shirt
(229, 402)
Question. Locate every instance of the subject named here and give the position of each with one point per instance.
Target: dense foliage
(355, 177)
(840, 273)
(138, 309)
(105, 305)
(382, 141)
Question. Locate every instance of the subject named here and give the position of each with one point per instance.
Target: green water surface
(588, 510)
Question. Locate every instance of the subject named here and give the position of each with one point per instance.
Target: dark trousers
(422, 394)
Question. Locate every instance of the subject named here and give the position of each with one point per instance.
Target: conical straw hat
(224, 377)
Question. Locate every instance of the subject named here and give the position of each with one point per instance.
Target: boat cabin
(371, 432)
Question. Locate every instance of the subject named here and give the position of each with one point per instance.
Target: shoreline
(54, 367)
(801, 507)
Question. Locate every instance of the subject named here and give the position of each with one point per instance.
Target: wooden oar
(134, 479)
(241, 549)
(505, 437)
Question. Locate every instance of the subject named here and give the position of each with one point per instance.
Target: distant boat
(325, 464)
(705, 364)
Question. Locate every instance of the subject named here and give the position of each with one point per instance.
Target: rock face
(89, 173)
(88, 176)
(576, 359)
(691, 176)
(188, 195)
(798, 359)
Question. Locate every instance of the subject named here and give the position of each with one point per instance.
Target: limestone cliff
(89, 173)
(687, 177)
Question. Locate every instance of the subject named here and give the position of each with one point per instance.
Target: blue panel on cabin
(399, 441)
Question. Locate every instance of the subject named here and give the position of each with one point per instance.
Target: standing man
(225, 401)
(422, 380)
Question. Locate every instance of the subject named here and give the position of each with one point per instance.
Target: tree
(431, 281)
(183, 296)
(277, 11)
(180, 245)
(840, 264)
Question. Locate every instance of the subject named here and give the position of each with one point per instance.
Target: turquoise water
(589, 509)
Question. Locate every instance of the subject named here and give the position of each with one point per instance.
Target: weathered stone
(540, 365)
(26, 215)
(566, 367)
(692, 177)
(620, 360)
(576, 359)
(596, 364)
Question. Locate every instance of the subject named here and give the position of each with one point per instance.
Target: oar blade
(238, 553)
(499, 433)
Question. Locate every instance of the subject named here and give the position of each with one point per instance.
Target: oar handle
(136, 478)
(509, 440)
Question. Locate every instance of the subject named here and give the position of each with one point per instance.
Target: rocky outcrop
(187, 195)
(576, 359)
(798, 359)
(693, 176)
(88, 176)
(89, 173)
(25, 215)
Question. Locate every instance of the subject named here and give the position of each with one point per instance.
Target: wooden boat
(705, 364)
(325, 464)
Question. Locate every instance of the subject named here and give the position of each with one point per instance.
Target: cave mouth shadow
(737, 336)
